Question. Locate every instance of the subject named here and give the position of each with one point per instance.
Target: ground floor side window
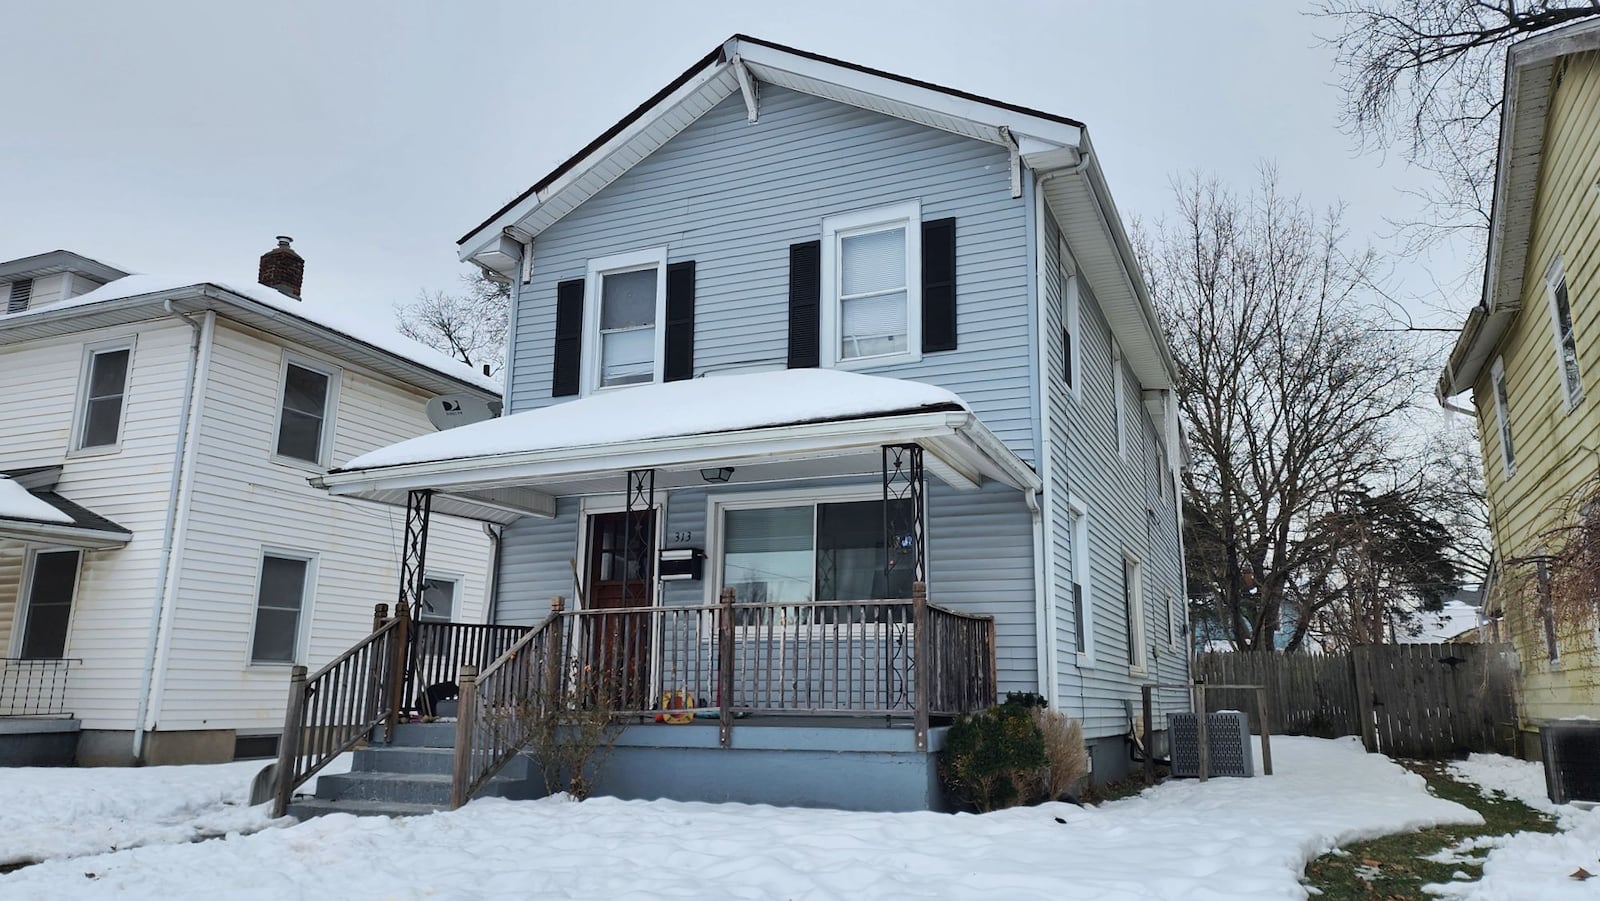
(52, 582)
(280, 604)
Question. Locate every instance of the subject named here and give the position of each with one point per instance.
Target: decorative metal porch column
(902, 512)
(414, 552)
(636, 542)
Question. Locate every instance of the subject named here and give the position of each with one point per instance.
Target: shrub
(570, 731)
(992, 759)
(1066, 756)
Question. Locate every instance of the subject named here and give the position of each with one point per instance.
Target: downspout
(491, 601)
(199, 345)
(1043, 585)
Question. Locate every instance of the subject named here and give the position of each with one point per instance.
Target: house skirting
(114, 747)
(842, 767)
(26, 741)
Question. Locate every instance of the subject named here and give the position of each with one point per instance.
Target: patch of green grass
(1392, 867)
(1127, 787)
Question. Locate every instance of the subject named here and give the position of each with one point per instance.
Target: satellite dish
(460, 409)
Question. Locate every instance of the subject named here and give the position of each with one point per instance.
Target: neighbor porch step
(409, 788)
(306, 808)
(413, 759)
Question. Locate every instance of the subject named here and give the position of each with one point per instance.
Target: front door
(620, 590)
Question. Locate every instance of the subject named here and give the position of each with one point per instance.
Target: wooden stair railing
(500, 706)
(337, 707)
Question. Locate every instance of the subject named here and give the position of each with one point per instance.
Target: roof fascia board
(94, 539)
(55, 261)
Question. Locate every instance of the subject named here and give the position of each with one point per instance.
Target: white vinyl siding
(872, 293)
(1566, 343)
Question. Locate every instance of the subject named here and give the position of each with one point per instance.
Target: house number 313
(681, 537)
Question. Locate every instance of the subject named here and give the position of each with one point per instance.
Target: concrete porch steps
(408, 777)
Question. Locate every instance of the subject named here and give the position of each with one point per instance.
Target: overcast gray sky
(179, 138)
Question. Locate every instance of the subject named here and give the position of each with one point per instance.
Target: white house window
(1082, 600)
(303, 415)
(280, 601)
(1133, 608)
(105, 389)
(51, 584)
(872, 296)
(1502, 415)
(1118, 389)
(1555, 280)
(1074, 353)
(626, 299)
(438, 600)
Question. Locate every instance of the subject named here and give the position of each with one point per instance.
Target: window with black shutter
(680, 322)
(566, 376)
(938, 285)
(805, 300)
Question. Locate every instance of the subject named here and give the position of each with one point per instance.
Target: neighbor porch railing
(34, 686)
(892, 658)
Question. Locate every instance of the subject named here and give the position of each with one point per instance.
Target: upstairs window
(1555, 281)
(872, 292)
(1502, 415)
(21, 292)
(1118, 401)
(626, 296)
(105, 388)
(1069, 334)
(303, 414)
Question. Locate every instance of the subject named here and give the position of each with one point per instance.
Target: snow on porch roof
(16, 502)
(760, 422)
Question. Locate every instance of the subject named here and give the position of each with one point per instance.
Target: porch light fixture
(720, 474)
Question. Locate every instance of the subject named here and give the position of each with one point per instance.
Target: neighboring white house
(171, 427)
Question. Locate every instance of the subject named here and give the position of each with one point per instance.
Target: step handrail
(496, 709)
(334, 709)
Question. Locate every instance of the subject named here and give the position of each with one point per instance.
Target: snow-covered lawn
(50, 813)
(1227, 839)
(1529, 864)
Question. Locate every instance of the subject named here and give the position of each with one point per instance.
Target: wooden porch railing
(892, 658)
(379, 680)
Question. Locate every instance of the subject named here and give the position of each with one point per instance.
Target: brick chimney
(282, 268)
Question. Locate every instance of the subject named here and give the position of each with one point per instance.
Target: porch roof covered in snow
(768, 426)
(30, 510)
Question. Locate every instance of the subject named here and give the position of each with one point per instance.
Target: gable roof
(319, 326)
(1530, 67)
(1044, 143)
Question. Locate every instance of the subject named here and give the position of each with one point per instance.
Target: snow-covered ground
(49, 813)
(1227, 839)
(1528, 864)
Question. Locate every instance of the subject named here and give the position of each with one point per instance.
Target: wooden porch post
(289, 742)
(399, 644)
(380, 613)
(553, 657)
(922, 659)
(725, 665)
(466, 714)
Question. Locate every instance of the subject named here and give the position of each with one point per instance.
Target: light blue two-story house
(836, 406)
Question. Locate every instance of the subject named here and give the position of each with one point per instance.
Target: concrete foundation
(114, 747)
(38, 742)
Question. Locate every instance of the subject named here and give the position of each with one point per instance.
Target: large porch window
(813, 551)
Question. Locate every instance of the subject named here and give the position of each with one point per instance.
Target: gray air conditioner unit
(1228, 734)
(1571, 760)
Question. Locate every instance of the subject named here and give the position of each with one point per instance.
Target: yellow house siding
(1557, 452)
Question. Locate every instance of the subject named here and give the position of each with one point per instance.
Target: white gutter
(160, 615)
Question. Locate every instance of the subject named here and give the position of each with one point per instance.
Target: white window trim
(616, 264)
(789, 497)
(308, 595)
(1140, 652)
(1118, 389)
(455, 596)
(1497, 387)
(1556, 275)
(330, 412)
(1082, 571)
(1072, 301)
(24, 608)
(81, 409)
(835, 228)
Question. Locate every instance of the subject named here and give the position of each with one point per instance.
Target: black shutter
(566, 378)
(680, 322)
(805, 304)
(1066, 347)
(939, 285)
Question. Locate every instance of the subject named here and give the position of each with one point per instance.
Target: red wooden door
(621, 589)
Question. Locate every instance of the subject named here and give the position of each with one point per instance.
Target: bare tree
(469, 326)
(1291, 394)
(1425, 77)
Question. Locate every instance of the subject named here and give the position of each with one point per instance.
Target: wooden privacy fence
(1405, 700)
